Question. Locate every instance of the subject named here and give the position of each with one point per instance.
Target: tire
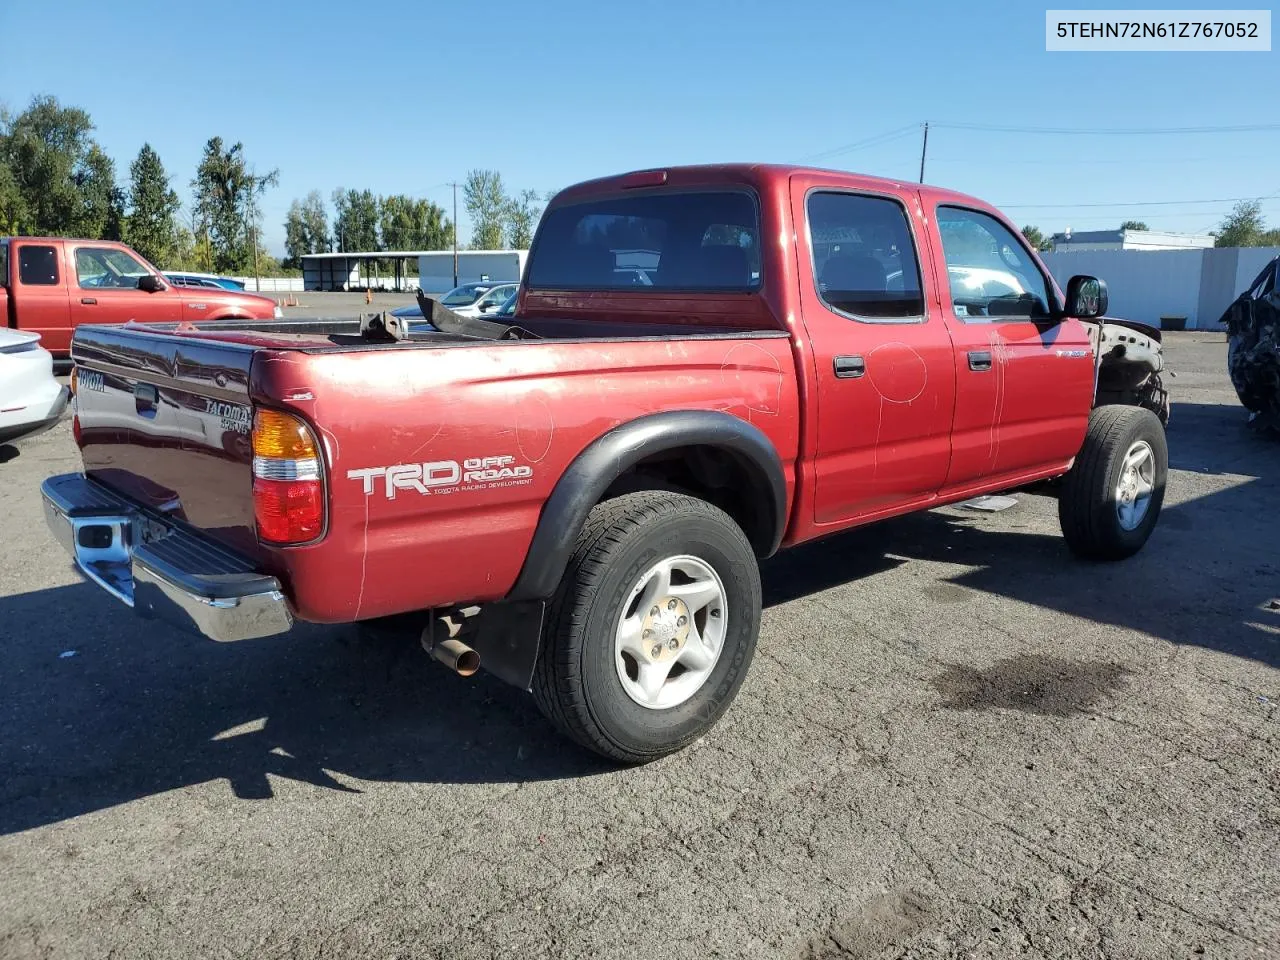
(579, 678)
(1097, 520)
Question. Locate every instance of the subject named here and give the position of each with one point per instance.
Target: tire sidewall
(637, 729)
(1145, 428)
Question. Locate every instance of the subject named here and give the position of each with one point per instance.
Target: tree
(409, 224)
(355, 220)
(1036, 238)
(521, 218)
(56, 180)
(306, 229)
(487, 206)
(152, 224)
(1243, 226)
(1133, 225)
(226, 193)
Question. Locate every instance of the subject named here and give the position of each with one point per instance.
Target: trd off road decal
(443, 476)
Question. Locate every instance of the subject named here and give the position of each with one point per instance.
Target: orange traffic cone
(368, 296)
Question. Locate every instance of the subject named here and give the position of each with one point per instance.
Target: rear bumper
(161, 569)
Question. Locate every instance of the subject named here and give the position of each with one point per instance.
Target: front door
(883, 357)
(1024, 373)
(106, 289)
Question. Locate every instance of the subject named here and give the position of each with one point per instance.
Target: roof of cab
(759, 175)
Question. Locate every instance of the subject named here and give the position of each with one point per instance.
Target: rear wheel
(652, 628)
(1111, 498)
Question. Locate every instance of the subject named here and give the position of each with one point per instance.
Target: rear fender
(590, 475)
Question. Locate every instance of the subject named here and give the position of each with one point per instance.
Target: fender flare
(585, 481)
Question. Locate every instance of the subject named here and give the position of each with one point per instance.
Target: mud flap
(508, 636)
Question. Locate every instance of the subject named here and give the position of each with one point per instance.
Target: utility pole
(924, 148)
(253, 234)
(455, 233)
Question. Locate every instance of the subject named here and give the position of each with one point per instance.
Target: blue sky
(402, 98)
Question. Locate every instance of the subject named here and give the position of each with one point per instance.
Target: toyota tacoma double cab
(51, 285)
(577, 498)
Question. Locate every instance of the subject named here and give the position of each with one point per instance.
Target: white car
(478, 299)
(31, 400)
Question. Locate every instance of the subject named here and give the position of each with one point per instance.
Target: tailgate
(165, 420)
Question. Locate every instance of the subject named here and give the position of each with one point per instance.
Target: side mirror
(486, 307)
(1086, 297)
(150, 283)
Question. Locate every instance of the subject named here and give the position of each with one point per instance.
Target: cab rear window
(669, 240)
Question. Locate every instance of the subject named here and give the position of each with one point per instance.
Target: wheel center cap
(666, 630)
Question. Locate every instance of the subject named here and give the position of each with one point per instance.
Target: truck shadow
(100, 708)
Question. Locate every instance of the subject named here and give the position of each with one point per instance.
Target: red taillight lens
(288, 495)
(288, 511)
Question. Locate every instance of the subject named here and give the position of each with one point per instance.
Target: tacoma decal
(232, 416)
(443, 476)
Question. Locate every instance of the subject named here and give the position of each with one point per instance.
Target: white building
(358, 270)
(1130, 240)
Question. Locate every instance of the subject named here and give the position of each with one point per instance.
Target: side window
(38, 266)
(992, 277)
(100, 267)
(864, 260)
(4, 264)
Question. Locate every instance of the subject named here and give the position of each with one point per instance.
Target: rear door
(883, 357)
(39, 292)
(1024, 373)
(106, 289)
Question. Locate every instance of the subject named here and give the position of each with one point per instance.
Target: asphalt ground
(955, 741)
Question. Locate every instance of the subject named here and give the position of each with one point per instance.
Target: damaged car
(1253, 348)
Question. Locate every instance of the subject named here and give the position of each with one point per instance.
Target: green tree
(1134, 225)
(306, 229)
(409, 224)
(1036, 238)
(355, 221)
(57, 180)
(521, 218)
(1243, 226)
(226, 191)
(487, 206)
(152, 225)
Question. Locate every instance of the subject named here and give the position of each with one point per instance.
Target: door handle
(89, 300)
(980, 360)
(849, 367)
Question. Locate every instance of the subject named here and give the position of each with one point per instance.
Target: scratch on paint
(364, 558)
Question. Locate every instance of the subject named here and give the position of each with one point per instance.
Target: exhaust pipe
(457, 656)
(440, 639)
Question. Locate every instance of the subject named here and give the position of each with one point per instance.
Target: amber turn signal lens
(281, 436)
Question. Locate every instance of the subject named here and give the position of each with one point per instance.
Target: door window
(100, 267)
(864, 260)
(38, 266)
(991, 274)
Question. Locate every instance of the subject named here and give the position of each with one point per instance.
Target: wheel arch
(678, 450)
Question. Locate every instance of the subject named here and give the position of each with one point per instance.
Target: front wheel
(652, 628)
(1111, 498)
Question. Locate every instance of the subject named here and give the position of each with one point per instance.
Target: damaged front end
(1253, 348)
(1130, 365)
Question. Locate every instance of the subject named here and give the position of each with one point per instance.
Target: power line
(887, 137)
(1127, 203)
(1074, 162)
(1110, 131)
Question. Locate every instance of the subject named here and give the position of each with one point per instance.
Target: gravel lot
(955, 741)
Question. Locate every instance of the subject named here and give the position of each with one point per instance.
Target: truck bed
(165, 411)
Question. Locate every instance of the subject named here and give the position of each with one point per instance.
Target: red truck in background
(51, 285)
(577, 499)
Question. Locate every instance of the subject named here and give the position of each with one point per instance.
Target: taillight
(288, 495)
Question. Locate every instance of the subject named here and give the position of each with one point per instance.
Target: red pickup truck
(705, 364)
(51, 285)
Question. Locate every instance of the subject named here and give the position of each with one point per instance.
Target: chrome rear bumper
(160, 569)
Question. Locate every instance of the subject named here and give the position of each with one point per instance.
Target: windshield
(667, 240)
(465, 295)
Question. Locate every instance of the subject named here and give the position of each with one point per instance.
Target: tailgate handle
(847, 367)
(980, 360)
(90, 301)
(145, 394)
